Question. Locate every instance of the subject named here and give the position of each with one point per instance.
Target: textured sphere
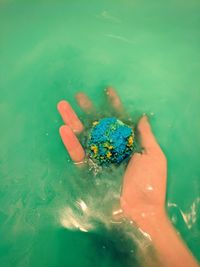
(110, 141)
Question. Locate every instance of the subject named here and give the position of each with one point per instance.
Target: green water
(148, 50)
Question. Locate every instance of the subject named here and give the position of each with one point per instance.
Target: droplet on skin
(143, 215)
(149, 188)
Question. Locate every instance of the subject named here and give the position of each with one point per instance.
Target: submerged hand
(144, 183)
(144, 186)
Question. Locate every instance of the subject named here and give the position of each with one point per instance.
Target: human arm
(143, 201)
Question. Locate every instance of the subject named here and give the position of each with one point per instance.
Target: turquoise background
(49, 50)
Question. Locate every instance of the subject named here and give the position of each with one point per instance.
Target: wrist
(162, 233)
(151, 222)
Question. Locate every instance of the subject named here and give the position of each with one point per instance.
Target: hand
(144, 186)
(144, 183)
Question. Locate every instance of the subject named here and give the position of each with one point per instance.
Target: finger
(148, 140)
(84, 102)
(72, 143)
(69, 116)
(114, 99)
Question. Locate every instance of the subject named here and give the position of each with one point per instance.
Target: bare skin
(144, 183)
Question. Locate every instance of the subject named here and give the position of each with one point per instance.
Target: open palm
(144, 183)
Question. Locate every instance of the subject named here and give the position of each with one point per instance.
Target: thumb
(147, 137)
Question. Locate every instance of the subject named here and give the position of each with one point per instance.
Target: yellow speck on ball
(108, 154)
(94, 149)
(95, 123)
(107, 145)
(130, 140)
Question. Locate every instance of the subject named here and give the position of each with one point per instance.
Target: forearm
(170, 249)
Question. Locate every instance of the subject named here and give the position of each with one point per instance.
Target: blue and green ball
(110, 141)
